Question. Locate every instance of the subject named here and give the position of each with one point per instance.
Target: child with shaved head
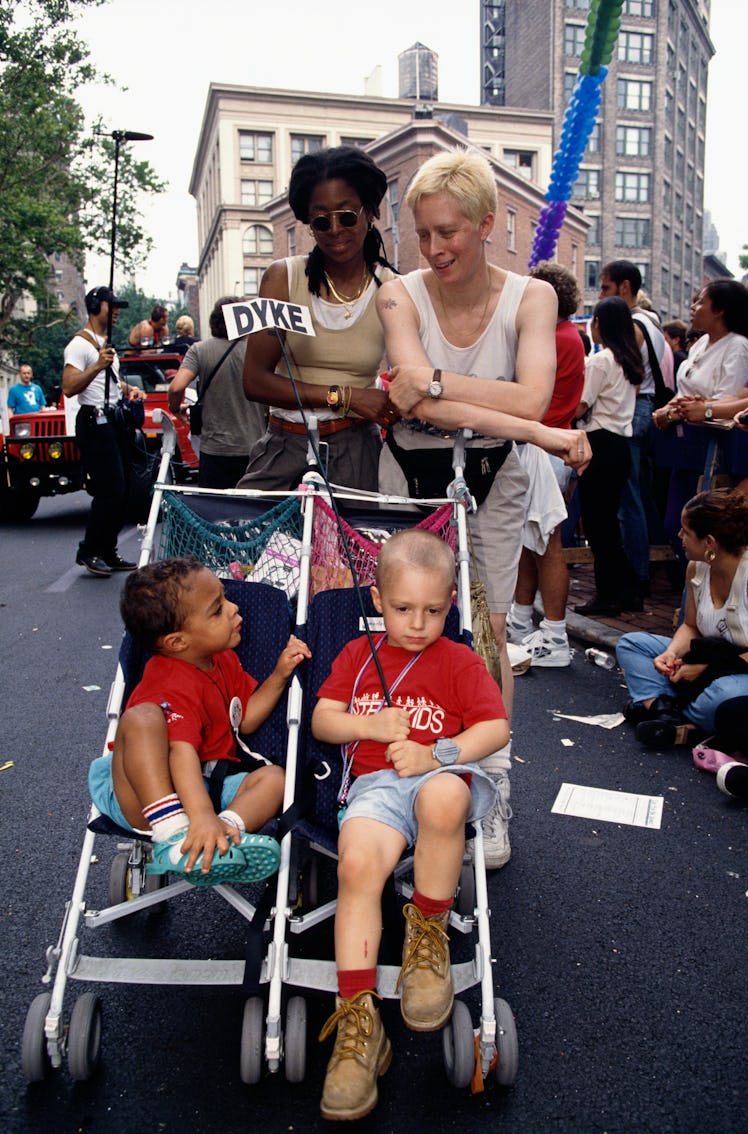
(415, 781)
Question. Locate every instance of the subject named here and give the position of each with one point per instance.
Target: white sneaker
(496, 846)
(547, 651)
(516, 632)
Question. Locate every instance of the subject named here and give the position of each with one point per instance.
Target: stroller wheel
(295, 1040)
(507, 1045)
(250, 1057)
(84, 1037)
(458, 1045)
(34, 1057)
(120, 881)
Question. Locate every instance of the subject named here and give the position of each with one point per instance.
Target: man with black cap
(91, 372)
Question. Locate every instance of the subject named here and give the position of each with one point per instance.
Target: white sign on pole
(252, 315)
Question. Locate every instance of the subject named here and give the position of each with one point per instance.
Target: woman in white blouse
(712, 377)
(612, 377)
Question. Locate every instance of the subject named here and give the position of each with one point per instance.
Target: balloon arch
(603, 24)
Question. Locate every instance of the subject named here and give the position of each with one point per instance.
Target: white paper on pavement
(609, 806)
(602, 720)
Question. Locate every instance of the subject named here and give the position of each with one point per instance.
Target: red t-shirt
(569, 376)
(196, 702)
(445, 692)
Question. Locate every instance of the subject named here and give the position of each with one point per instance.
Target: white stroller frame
(45, 1038)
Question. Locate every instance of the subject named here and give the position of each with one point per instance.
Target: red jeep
(39, 457)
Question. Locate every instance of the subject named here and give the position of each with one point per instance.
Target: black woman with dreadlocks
(337, 192)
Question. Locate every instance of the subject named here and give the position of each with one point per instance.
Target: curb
(594, 633)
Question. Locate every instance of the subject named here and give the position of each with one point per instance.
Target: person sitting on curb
(178, 724)
(676, 686)
(416, 782)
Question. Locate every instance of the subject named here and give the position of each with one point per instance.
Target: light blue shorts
(101, 789)
(391, 799)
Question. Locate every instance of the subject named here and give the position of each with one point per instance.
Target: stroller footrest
(152, 970)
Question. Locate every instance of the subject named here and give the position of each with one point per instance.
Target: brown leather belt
(325, 428)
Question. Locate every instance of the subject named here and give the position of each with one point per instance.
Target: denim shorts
(101, 789)
(391, 799)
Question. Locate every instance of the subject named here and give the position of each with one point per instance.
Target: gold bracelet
(347, 395)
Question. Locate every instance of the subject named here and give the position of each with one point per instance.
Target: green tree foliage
(743, 258)
(56, 181)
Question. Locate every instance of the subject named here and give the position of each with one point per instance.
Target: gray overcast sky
(166, 52)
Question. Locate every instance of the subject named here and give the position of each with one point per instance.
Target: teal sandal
(253, 858)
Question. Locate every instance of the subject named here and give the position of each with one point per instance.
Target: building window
(593, 142)
(632, 232)
(574, 258)
(633, 141)
(573, 39)
(255, 147)
(634, 94)
(305, 144)
(251, 282)
(632, 187)
(258, 241)
(511, 230)
(636, 47)
(591, 275)
(570, 78)
(521, 160)
(393, 202)
(359, 143)
(665, 278)
(593, 232)
(587, 185)
(255, 194)
(291, 240)
(643, 8)
(644, 269)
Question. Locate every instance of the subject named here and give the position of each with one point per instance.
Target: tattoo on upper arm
(388, 304)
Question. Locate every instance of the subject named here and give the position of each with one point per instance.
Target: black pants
(102, 462)
(731, 725)
(600, 488)
(220, 472)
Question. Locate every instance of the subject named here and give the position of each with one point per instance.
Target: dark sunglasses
(347, 218)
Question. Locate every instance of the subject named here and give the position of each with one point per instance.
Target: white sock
(521, 614)
(234, 820)
(499, 761)
(166, 817)
(555, 629)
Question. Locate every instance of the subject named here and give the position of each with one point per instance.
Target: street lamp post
(118, 137)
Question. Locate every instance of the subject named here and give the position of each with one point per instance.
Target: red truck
(39, 456)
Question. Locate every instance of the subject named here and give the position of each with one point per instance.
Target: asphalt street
(621, 949)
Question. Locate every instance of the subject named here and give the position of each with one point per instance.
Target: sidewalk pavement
(658, 617)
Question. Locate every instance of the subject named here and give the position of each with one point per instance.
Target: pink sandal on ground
(711, 759)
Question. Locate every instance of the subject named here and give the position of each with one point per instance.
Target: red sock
(353, 981)
(430, 907)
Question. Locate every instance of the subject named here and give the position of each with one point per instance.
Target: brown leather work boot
(362, 1052)
(427, 994)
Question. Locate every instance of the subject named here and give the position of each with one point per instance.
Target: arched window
(258, 241)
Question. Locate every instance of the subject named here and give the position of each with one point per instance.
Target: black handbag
(196, 409)
(429, 471)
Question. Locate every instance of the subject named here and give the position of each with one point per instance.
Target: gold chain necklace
(482, 315)
(347, 301)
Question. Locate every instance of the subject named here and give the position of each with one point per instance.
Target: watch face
(435, 390)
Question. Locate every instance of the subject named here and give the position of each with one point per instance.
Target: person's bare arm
(75, 381)
(177, 386)
(332, 722)
(412, 371)
(266, 696)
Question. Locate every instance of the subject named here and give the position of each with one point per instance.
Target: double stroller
(289, 562)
